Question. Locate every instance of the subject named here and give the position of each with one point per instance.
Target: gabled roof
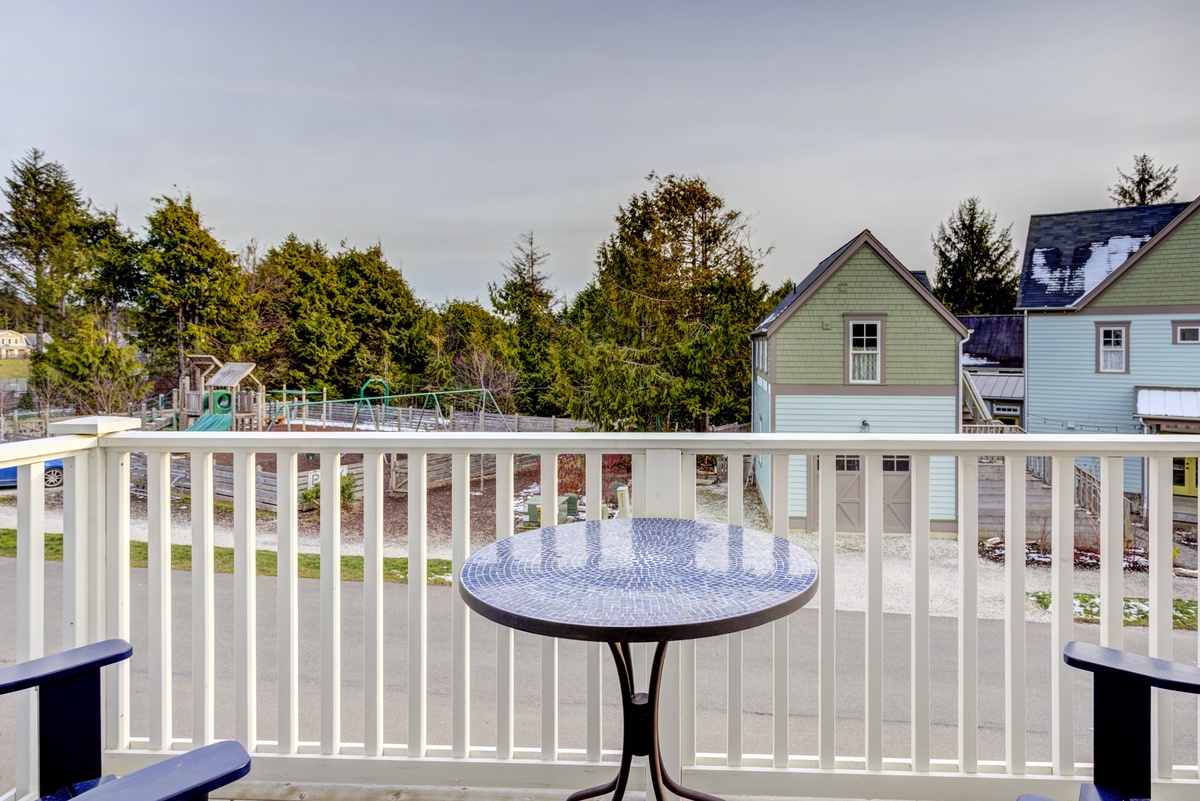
(997, 340)
(231, 374)
(1069, 255)
(830, 265)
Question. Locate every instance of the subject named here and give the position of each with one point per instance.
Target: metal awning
(231, 375)
(1000, 386)
(1176, 404)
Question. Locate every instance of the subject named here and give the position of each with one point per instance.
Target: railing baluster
(97, 520)
(418, 592)
(920, 610)
(549, 516)
(780, 665)
(203, 614)
(733, 489)
(158, 518)
(1112, 550)
(687, 648)
(827, 631)
(31, 608)
(1014, 613)
(75, 551)
(504, 635)
(373, 603)
(594, 465)
(245, 569)
(873, 701)
(1062, 617)
(460, 615)
(1162, 614)
(733, 722)
(331, 603)
(968, 613)
(288, 601)
(637, 468)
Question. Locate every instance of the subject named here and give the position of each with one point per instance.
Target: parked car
(54, 475)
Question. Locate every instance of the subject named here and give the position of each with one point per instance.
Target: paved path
(711, 681)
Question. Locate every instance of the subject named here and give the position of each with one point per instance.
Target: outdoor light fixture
(865, 428)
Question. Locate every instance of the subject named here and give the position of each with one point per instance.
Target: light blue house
(859, 345)
(1112, 305)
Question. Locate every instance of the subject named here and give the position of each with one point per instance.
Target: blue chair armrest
(186, 777)
(1134, 668)
(57, 667)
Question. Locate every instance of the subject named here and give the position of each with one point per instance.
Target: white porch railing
(393, 706)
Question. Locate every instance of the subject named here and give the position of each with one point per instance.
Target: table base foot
(640, 720)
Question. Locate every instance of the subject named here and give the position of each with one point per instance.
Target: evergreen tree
(193, 297)
(976, 262)
(390, 326)
(303, 315)
(526, 301)
(86, 369)
(1147, 184)
(40, 238)
(667, 319)
(112, 260)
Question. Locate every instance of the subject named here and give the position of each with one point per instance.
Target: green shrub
(311, 497)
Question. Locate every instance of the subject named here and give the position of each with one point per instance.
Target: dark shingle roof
(923, 277)
(997, 340)
(800, 287)
(1067, 255)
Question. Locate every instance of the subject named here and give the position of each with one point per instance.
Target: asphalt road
(711, 679)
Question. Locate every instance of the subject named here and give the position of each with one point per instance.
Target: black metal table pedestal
(640, 719)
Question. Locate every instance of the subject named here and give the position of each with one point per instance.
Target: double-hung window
(865, 356)
(1112, 347)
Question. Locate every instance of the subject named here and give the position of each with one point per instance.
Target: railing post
(107, 519)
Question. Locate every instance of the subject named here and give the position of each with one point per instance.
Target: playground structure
(218, 402)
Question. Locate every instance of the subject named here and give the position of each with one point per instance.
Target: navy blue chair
(70, 740)
(1121, 716)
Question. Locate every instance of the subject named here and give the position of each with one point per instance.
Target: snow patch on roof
(971, 360)
(1105, 257)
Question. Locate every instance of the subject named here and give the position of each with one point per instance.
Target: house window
(1112, 347)
(864, 351)
(1186, 333)
(895, 464)
(848, 464)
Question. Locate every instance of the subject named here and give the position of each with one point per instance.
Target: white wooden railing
(416, 712)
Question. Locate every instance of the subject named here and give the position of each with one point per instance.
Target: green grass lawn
(14, 368)
(1137, 610)
(395, 569)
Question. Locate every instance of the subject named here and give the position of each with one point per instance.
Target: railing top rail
(39, 450)
(1131, 445)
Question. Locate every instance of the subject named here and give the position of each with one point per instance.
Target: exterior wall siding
(760, 422)
(886, 414)
(1168, 276)
(1065, 394)
(919, 348)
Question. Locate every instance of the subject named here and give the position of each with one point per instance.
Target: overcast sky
(443, 130)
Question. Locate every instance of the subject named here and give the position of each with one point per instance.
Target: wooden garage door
(851, 494)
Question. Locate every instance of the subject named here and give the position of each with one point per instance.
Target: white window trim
(1101, 329)
(1178, 326)
(880, 322)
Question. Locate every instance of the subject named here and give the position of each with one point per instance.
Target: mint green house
(859, 345)
(1112, 305)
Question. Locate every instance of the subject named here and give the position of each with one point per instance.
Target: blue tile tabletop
(638, 580)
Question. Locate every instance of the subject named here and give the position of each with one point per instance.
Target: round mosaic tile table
(638, 580)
